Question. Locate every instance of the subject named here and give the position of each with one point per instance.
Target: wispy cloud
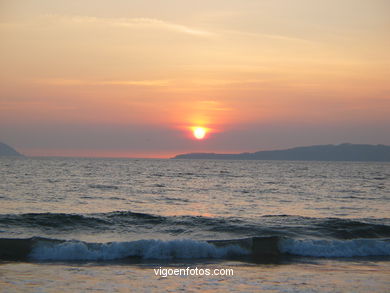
(269, 36)
(76, 82)
(139, 22)
(157, 82)
(211, 105)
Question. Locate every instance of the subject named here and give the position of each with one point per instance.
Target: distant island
(6, 150)
(341, 152)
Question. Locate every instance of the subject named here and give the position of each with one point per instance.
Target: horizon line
(174, 154)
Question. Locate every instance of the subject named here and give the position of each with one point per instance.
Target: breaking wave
(46, 249)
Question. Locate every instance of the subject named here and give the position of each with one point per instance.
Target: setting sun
(199, 132)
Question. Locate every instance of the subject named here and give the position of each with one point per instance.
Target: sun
(199, 132)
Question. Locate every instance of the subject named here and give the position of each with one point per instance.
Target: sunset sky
(132, 78)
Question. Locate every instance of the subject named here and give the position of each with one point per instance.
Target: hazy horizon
(133, 78)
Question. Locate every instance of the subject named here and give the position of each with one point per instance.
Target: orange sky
(110, 78)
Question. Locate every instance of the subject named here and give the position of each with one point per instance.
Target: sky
(131, 78)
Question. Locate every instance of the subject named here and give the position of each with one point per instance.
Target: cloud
(270, 36)
(77, 82)
(158, 82)
(139, 22)
(177, 83)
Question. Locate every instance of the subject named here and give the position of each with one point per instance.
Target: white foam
(335, 248)
(146, 249)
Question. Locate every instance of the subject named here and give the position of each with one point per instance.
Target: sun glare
(199, 132)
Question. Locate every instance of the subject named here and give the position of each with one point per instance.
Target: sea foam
(335, 248)
(145, 249)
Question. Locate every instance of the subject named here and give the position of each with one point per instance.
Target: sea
(168, 225)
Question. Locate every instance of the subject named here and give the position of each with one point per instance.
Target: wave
(127, 221)
(336, 248)
(41, 249)
(53, 220)
(256, 248)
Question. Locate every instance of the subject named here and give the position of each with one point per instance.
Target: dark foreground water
(112, 224)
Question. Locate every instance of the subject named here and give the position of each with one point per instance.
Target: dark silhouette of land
(342, 152)
(6, 150)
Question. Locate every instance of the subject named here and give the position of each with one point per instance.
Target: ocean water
(127, 225)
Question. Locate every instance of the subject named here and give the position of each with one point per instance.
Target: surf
(255, 248)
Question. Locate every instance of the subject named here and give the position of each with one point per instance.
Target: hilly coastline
(341, 152)
(6, 150)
